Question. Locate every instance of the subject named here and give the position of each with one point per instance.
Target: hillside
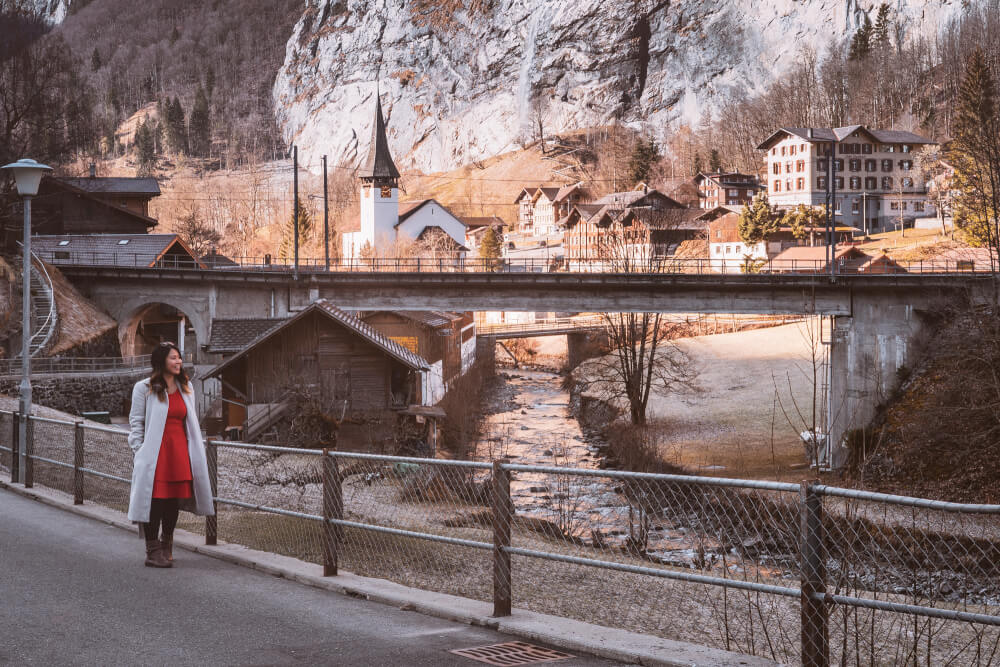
(940, 438)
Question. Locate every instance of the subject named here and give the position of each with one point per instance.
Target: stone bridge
(876, 318)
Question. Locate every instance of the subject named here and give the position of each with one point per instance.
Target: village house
(848, 259)
(728, 253)
(476, 226)
(539, 209)
(725, 189)
(627, 230)
(384, 227)
(360, 374)
(136, 250)
(876, 185)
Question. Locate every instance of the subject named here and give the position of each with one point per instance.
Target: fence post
(502, 512)
(212, 521)
(333, 508)
(815, 634)
(15, 453)
(29, 453)
(78, 464)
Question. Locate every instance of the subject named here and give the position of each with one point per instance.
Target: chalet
(848, 259)
(476, 226)
(874, 187)
(539, 209)
(93, 206)
(384, 225)
(356, 370)
(725, 189)
(138, 250)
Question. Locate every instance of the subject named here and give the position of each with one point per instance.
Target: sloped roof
(435, 319)
(140, 250)
(233, 335)
(379, 164)
(827, 134)
(816, 253)
(348, 321)
(115, 185)
(409, 208)
(487, 221)
(100, 201)
(550, 193)
(630, 197)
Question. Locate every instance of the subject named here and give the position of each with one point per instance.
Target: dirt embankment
(940, 437)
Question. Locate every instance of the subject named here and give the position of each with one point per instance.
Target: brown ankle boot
(168, 546)
(154, 555)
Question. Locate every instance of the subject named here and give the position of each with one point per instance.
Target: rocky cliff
(466, 79)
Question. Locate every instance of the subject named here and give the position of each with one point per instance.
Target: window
(907, 182)
(888, 148)
(836, 206)
(800, 166)
(64, 243)
(838, 182)
(788, 167)
(838, 165)
(845, 149)
(871, 165)
(718, 250)
(871, 183)
(855, 207)
(776, 168)
(887, 182)
(750, 193)
(123, 242)
(734, 193)
(800, 184)
(886, 165)
(855, 182)
(788, 185)
(791, 150)
(894, 206)
(821, 182)
(784, 150)
(777, 186)
(821, 165)
(905, 148)
(866, 149)
(855, 164)
(61, 254)
(918, 206)
(906, 165)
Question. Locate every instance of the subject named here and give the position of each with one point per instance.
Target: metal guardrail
(664, 265)
(554, 324)
(57, 365)
(797, 572)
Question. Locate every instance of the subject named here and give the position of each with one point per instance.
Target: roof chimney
(810, 133)
(93, 170)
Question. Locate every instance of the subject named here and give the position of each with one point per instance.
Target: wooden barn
(355, 370)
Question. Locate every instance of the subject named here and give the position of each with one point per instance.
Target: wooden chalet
(358, 371)
(849, 259)
(137, 250)
(726, 188)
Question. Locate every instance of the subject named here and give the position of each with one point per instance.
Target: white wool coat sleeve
(146, 420)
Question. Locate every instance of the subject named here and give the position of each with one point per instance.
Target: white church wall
(429, 215)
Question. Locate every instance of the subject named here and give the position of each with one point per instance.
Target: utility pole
(326, 220)
(295, 204)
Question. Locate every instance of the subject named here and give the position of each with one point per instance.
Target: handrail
(52, 314)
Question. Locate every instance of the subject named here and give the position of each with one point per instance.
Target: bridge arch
(145, 322)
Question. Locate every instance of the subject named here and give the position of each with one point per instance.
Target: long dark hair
(158, 380)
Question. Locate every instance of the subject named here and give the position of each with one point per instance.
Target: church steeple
(379, 167)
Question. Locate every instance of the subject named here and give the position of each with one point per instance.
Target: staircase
(44, 317)
(259, 425)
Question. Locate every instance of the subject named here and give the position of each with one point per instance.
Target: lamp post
(27, 176)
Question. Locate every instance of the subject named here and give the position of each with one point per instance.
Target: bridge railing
(795, 572)
(667, 265)
(56, 365)
(552, 324)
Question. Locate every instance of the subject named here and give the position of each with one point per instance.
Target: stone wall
(80, 393)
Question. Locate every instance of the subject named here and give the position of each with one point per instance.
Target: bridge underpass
(876, 318)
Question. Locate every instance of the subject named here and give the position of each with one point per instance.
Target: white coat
(147, 418)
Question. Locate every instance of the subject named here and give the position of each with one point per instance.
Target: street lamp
(27, 176)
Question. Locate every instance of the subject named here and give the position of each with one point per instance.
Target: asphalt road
(75, 592)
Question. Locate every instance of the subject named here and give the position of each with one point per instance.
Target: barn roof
(229, 336)
(115, 185)
(140, 250)
(326, 309)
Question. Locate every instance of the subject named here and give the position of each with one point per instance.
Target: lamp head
(27, 175)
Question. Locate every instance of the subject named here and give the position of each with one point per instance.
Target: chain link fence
(808, 573)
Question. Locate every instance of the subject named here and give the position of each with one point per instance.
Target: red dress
(173, 466)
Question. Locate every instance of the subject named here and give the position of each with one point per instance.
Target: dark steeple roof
(379, 164)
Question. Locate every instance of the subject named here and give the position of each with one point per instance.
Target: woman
(170, 472)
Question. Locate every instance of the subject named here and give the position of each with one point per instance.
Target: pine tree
(714, 161)
(697, 165)
(644, 156)
(95, 60)
(757, 221)
(199, 125)
(880, 35)
(861, 43)
(176, 128)
(210, 81)
(145, 148)
(490, 249)
(287, 249)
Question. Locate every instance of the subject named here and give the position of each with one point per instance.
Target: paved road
(75, 592)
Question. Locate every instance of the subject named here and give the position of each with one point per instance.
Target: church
(386, 229)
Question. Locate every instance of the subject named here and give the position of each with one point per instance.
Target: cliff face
(462, 80)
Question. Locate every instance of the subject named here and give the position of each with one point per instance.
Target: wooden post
(212, 522)
(78, 464)
(333, 509)
(502, 511)
(15, 453)
(29, 454)
(815, 633)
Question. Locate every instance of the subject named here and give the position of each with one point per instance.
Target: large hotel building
(877, 187)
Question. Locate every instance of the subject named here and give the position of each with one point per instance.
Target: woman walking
(170, 472)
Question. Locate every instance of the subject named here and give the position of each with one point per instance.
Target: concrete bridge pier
(867, 351)
(584, 345)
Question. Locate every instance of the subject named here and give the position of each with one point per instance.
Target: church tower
(379, 190)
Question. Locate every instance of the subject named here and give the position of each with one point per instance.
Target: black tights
(162, 511)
